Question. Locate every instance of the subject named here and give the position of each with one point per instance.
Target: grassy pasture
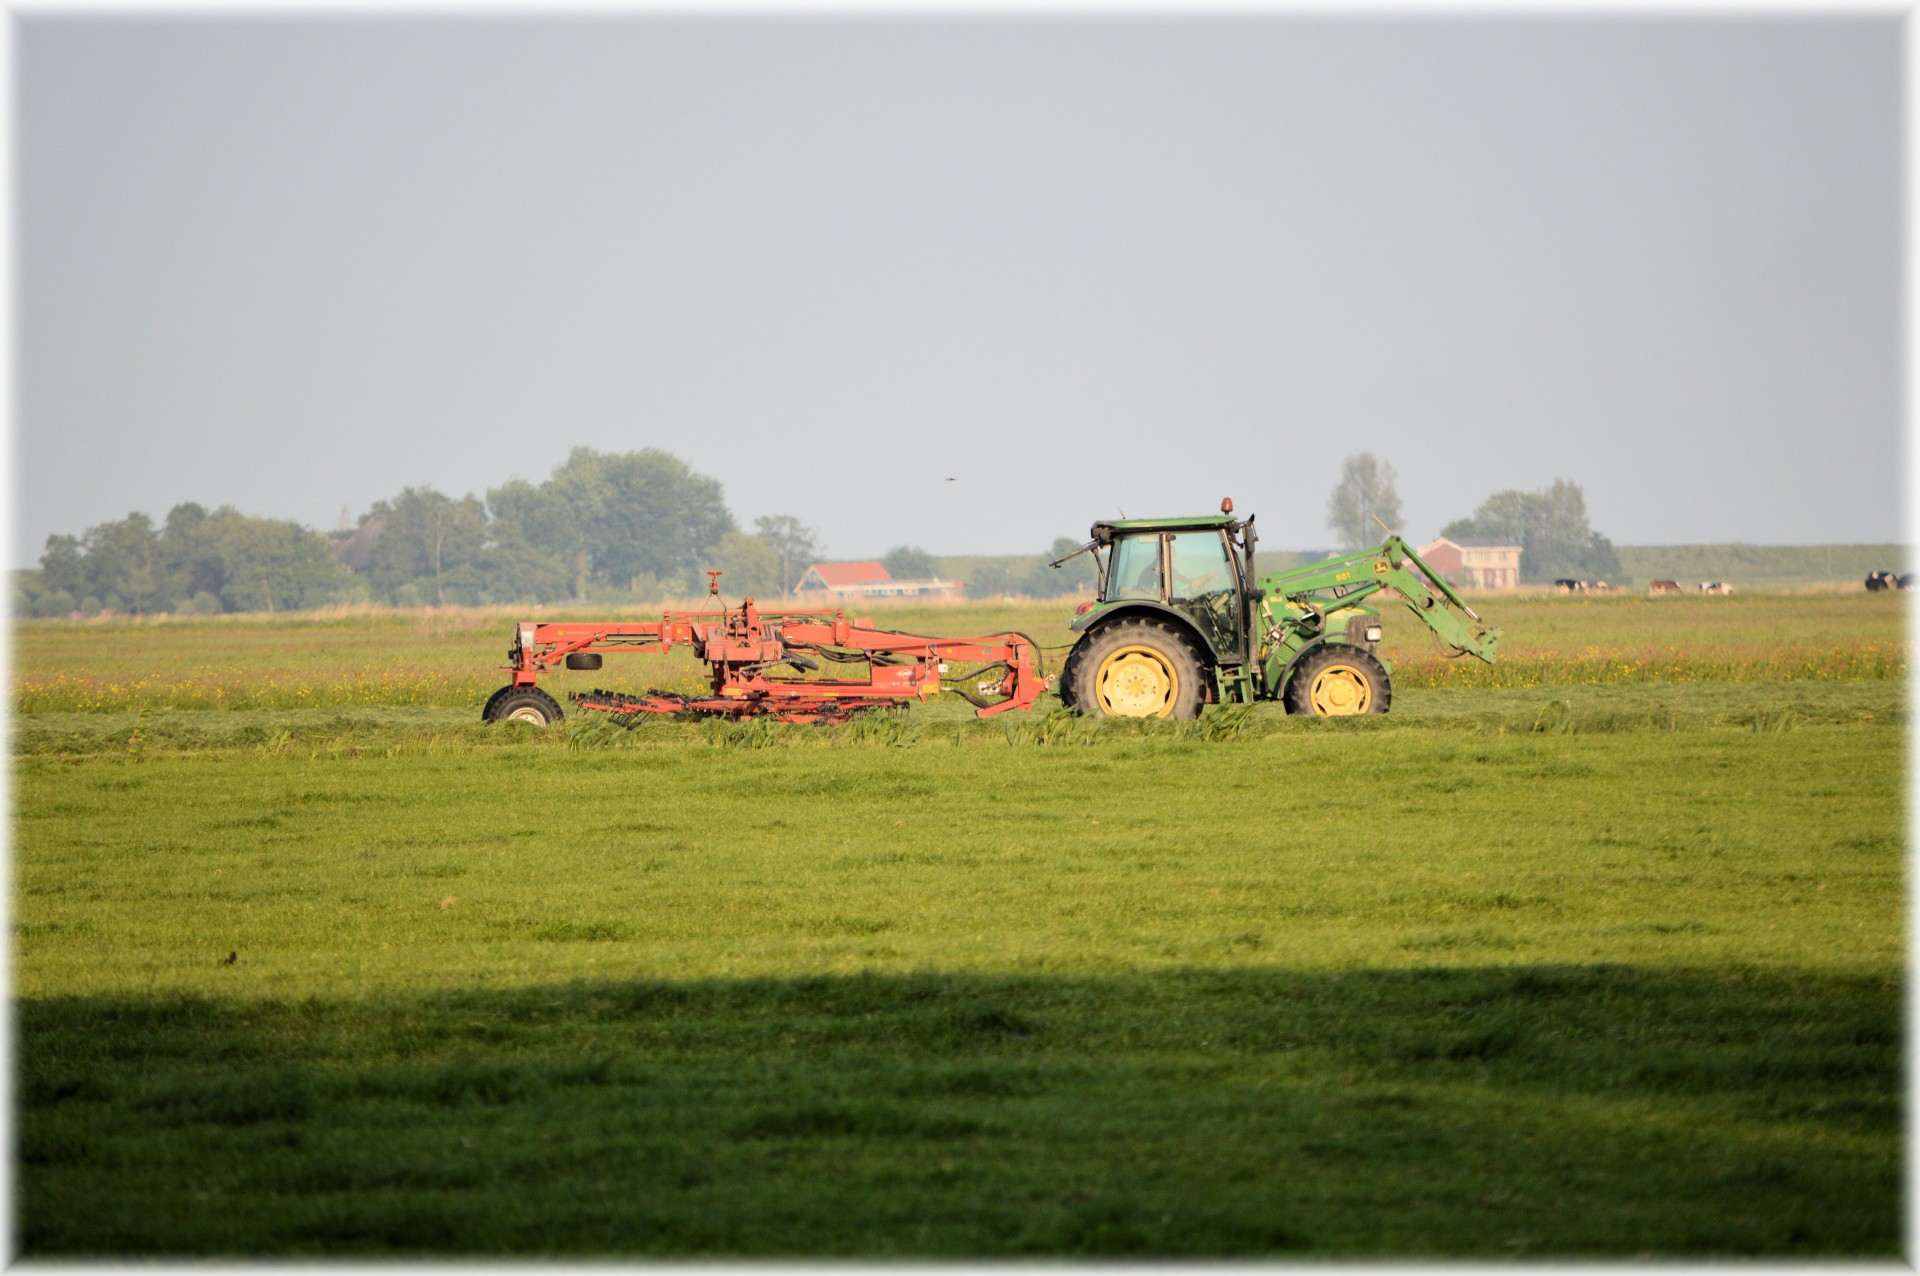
(1601, 966)
(451, 658)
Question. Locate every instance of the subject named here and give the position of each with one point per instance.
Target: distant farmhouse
(1475, 564)
(855, 582)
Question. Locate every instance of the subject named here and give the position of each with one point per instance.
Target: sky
(971, 282)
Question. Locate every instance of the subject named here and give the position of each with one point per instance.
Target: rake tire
(522, 704)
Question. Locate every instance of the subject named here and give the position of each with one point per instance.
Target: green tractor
(1181, 621)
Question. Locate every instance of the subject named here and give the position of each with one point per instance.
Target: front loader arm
(1465, 634)
(1392, 566)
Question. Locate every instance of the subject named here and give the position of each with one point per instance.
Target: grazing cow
(1906, 581)
(1663, 587)
(1715, 587)
(1877, 581)
(1570, 586)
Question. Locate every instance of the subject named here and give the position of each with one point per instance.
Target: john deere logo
(1380, 567)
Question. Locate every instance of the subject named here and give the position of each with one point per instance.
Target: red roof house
(845, 582)
(831, 576)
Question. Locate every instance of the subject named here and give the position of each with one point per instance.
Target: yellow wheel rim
(1340, 689)
(1137, 682)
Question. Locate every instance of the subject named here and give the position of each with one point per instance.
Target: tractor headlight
(1373, 633)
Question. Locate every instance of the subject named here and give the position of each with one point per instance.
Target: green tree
(63, 567)
(614, 517)
(115, 565)
(32, 597)
(910, 562)
(1364, 493)
(188, 546)
(793, 542)
(428, 537)
(1551, 528)
(513, 567)
(273, 565)
(123, 559)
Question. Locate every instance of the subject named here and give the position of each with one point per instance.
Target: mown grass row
(408, 730)
(348, 688)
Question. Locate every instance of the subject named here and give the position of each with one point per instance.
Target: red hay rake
(744, 646)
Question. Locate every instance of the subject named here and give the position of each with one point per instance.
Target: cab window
(1199, 564)
(1135, 569)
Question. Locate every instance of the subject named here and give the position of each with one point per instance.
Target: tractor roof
(1166, 524)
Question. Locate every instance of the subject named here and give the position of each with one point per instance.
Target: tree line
(614, 527)
(628, 527)
(1549, 525)
(195, 562)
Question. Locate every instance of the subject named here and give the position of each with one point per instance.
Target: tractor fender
(1094, 621)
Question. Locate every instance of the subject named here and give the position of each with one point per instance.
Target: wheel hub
(1137, 682)
(1339, 690)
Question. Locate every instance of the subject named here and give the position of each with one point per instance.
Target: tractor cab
(1199, 568)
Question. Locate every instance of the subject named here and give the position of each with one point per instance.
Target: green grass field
(1599, 954)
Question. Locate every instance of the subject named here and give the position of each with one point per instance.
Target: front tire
(522, 704)
(1136, 669)
(1338, 680)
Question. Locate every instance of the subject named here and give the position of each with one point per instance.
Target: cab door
(1203, 583)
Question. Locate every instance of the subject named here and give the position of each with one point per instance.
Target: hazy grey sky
(1079, 265)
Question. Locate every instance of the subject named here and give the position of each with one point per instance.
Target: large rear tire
(522, 704)
(1337, 680)
(1063, 686)
(1135, 669)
